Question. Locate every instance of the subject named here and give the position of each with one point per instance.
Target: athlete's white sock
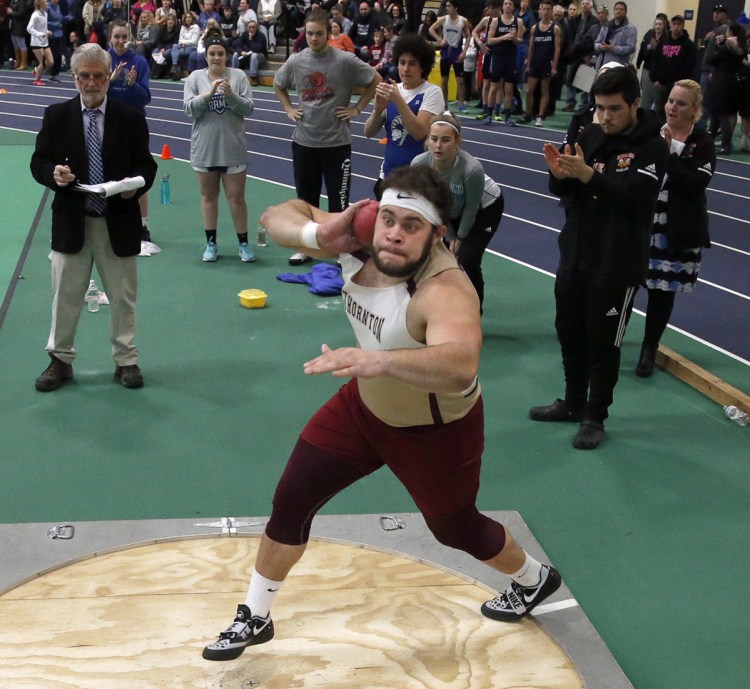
(530, 573)
(260, 594)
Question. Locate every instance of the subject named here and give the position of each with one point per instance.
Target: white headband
(412, 202)
(446, 122)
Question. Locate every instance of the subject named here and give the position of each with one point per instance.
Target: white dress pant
(71, 274)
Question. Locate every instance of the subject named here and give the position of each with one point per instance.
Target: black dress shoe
(645, 366)
(559, 410)
(54, 375)
(589, 436)
(129, 376)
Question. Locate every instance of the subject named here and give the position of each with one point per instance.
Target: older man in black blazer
(86, 231)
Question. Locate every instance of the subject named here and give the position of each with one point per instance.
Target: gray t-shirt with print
(323, 82)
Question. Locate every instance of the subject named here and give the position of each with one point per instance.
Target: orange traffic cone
(165, 154)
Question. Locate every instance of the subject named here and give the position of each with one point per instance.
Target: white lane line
(554, 607)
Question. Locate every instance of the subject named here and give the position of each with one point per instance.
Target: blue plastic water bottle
(165, 190)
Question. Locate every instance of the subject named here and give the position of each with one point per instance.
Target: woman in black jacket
(680, 230)
(169, 35)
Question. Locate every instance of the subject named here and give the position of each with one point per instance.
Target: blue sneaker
(246, 253)
(463, 108)
(509, 121)
(211, 253)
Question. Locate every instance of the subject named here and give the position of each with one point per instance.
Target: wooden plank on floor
(704, 381)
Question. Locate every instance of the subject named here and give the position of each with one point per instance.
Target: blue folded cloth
(324, 279)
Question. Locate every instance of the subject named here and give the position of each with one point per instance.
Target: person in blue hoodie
(55, 25)
(130, 84)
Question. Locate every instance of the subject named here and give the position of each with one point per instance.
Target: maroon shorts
(438, 465)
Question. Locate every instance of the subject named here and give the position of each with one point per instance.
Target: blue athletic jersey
(544, 47)
(402, 147)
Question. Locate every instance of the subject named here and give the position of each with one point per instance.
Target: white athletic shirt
(453, 32)
(378, 318)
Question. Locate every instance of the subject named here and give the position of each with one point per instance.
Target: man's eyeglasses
(92, 76)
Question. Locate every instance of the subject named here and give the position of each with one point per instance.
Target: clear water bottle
(262, 239)
(92, 297)
(737, 415)
(165, 196)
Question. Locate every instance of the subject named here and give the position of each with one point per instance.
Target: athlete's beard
(407, 269)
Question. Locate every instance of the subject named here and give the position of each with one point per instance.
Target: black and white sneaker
(245, 631)
(518, 601)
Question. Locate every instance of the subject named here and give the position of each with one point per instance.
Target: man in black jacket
(610, 181)
(674, 59)
(363, 31)
(83, 138)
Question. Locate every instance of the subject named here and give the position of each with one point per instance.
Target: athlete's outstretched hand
(346, 362)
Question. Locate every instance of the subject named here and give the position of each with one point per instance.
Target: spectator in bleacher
(146, 36)
(298, 10)
(245, 15)
(395, 12)
(337, 12)
(190, 35)
(137, 8)
(361, 33)
(228, 24)
(338, 39)
(680, 230)
(269, 12)
(93, 14)
(674, 60)
(209, 12)
(377, 48)
(387, 67)
(250, 52)
(161, 14)
(169, 36)
(115, 9)
(197, 60)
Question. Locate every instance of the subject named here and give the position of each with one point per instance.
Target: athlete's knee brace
(470, 531)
